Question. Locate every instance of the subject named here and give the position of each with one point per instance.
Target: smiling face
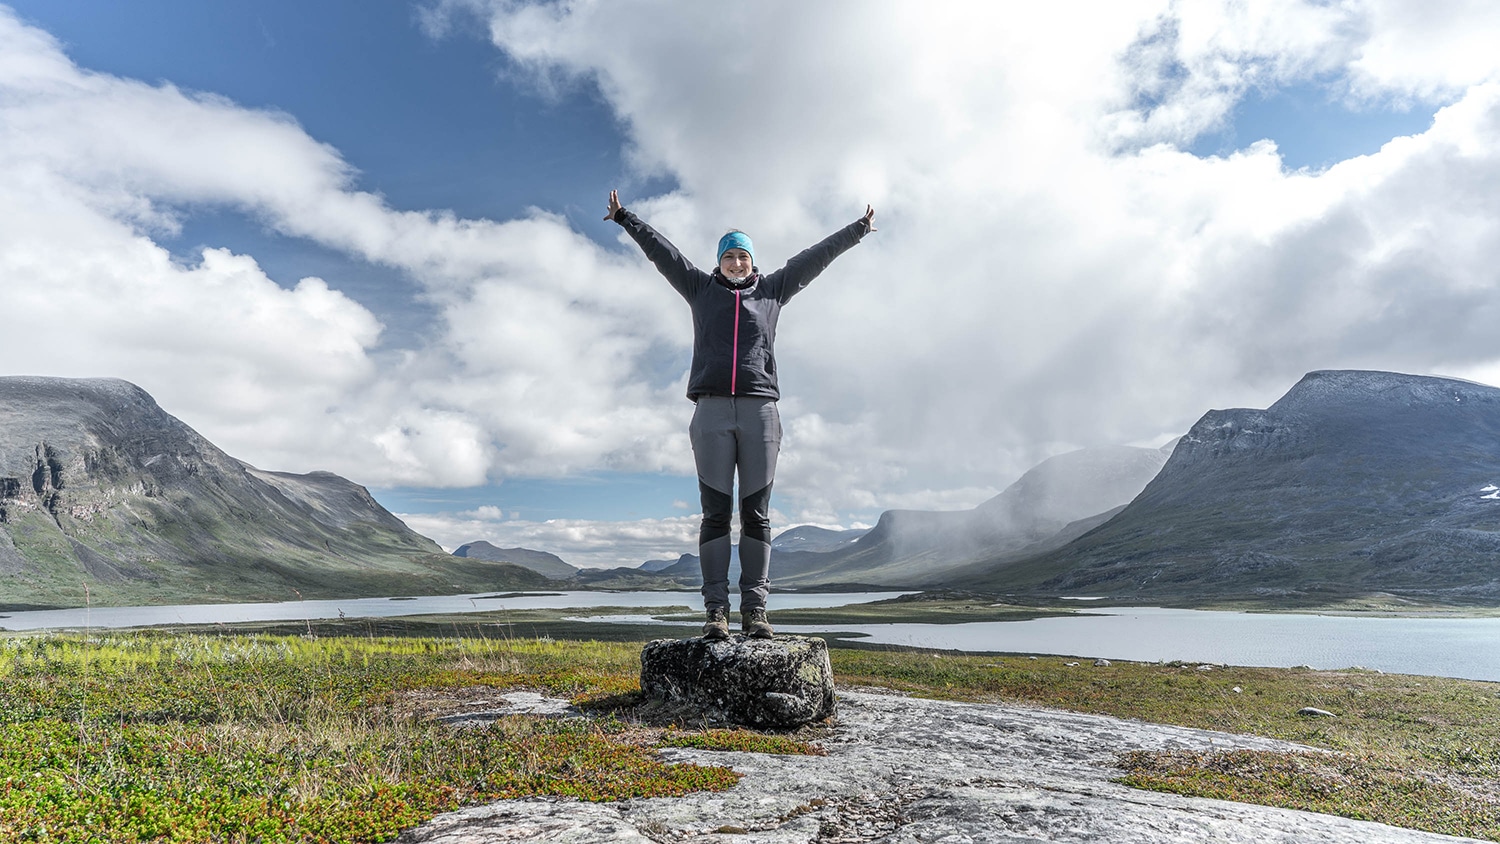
(735, 264)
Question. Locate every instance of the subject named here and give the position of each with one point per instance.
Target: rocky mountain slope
(1352, 483)
(911, 548)
(813, 538)
(105, 497)
(548, 565)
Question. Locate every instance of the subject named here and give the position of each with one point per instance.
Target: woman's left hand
(869, 218)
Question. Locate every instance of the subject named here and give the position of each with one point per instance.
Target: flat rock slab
(513, 703)
(908, 770)
(779, 683)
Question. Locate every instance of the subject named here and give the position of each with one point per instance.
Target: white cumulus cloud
(581, 542)
(1052, 268)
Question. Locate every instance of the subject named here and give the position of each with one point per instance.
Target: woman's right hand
(614, 205)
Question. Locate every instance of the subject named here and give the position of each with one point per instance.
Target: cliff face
(1353, 482)
(102, 489)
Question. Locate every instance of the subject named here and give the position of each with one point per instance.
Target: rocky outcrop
(907, 770)
(780, 683)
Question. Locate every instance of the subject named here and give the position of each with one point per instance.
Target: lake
(1448, 647)
(117, 617)
(1444, 647)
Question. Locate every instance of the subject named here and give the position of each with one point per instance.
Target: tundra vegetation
(334, 734)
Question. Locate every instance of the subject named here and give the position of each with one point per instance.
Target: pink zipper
(734, 360)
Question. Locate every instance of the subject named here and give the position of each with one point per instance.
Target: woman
(735, 426)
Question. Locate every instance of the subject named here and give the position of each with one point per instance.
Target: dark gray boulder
(780, 683)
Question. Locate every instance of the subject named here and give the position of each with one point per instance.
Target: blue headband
(735, 240)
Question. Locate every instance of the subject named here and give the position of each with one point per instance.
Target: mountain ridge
(107, 498)
(1354, 482)
(546, 564)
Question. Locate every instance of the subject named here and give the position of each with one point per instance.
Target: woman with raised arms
(736, 427)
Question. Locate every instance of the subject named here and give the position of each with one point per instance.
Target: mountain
(686, 566)
(627, 578)
(548, 565)
(106, 498)
(1352, 483)
(689, 569)
(657, 565)
(924, 548)
(812, 538)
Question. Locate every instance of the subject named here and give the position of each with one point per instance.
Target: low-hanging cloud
(1052, 269)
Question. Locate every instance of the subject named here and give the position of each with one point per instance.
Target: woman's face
(735, 264)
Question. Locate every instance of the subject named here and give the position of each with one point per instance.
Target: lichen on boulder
(780, 683)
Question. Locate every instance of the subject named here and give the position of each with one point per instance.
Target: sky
(367, 237)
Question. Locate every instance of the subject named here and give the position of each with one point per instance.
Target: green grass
(246, 736)
(156, 737)
(741, 740)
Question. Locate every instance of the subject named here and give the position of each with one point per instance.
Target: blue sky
(437, 123)
(428, 123)
(486, 355)
(1312, 126)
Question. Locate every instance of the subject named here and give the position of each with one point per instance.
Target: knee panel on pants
(755, 515)
(717, 509)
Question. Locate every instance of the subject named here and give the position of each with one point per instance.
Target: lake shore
(1433, 644)
(1366, 606)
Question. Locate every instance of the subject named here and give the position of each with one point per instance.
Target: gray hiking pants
(735, 434)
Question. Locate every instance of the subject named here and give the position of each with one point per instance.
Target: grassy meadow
(331, 733)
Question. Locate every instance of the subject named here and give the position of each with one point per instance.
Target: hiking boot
(753, 623)
(717, 626)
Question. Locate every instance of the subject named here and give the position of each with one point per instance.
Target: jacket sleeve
(807, 264)
(679, 271)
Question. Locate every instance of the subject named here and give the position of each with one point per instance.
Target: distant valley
(1044, 508)
(1353, 484)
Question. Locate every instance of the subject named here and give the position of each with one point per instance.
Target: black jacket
(734, 324)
